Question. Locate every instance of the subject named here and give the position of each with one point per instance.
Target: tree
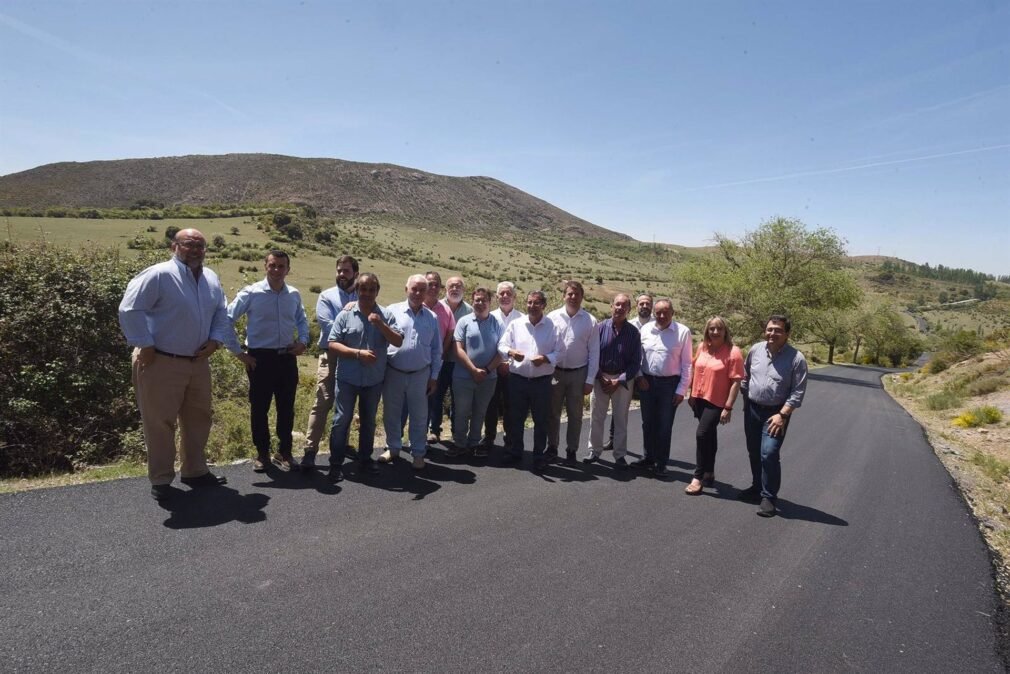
(782, 267)
(833, 328)
(888, 339)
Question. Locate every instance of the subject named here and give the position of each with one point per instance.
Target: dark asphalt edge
(1000, 578)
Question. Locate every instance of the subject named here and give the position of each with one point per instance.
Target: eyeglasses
(193, 245)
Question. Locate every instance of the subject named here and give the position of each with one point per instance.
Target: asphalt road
(874, 564)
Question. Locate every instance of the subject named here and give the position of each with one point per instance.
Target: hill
(333, 186)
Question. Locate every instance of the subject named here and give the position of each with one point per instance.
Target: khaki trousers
(567, 394)
(323, 404)
(620, 400)
(170, 392)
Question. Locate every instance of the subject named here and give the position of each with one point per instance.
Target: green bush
(994, 468)
(986, 385)
(65, 394)
(942, 400)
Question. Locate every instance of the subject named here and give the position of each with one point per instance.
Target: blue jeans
(410, 388)
(435, 410)
(368, 404)
(529, 396)
(763, 449)
(657, 417)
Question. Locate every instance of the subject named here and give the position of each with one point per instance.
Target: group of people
(500, 364)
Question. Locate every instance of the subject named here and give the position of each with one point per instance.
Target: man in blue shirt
(331, 302)
(411, 373)
(276, 315)
(358, 342)
(773, 388)
(174, 316)
(475, 374)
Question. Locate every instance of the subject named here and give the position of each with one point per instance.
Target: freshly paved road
(874, 565)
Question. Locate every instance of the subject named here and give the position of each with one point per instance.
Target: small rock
(989, 524)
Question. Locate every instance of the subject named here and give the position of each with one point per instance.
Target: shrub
(995, 469)
(65, 393)
(986, 385)
(938, 364)
(942, 400)
(316, 289)
(978, 416)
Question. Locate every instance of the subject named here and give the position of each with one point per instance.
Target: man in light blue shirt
(475, 374)
(276, 315)
(358, 342)
(411, 373)
(331, 302)
(174, 316)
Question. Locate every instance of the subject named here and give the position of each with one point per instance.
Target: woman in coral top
(715, 383)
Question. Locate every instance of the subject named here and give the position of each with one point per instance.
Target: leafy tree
(171, 231)
(889, 341)
(782, 267)
(831, 327)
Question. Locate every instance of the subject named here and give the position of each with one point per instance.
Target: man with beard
(620, 359)
(359, 341)
(575, 371)
(331, 302)
(275, 316)
(533, 345)
(498, 407)
(411, 373)
(643, 316)
(174, 315)
(666, 373)
(454, 292)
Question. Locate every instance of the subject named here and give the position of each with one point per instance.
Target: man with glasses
(773, 388)
(174, 315)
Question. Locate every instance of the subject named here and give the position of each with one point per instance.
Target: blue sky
(886, 121)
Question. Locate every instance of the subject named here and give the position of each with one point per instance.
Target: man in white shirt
(574, 373)
(533, 345)
(664, 378)
(498, 407)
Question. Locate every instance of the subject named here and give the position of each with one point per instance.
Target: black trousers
(707, 437)
(498, 408)
(275, 378)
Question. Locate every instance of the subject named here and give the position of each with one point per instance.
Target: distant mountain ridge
(333, 186)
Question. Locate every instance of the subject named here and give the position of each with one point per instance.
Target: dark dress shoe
(569, 459)
(659, 471)
(335, 475)
(205, 480)
(591, 459)
(368, 466)
(767, 508)
(509, 459)
(620, 464)
(160, 492)
(540, 464)
(750, 495)
(645, 464)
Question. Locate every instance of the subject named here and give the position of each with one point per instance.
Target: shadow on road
(795, 511)
(401, 477)
(845, 380)
(305, 479)
(212, 507)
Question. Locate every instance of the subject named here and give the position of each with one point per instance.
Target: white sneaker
(389, 456)
(418, 463)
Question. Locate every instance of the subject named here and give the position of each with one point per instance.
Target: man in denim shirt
(774, 385)
(358, 342)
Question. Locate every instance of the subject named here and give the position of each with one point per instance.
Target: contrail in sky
(859, 167)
